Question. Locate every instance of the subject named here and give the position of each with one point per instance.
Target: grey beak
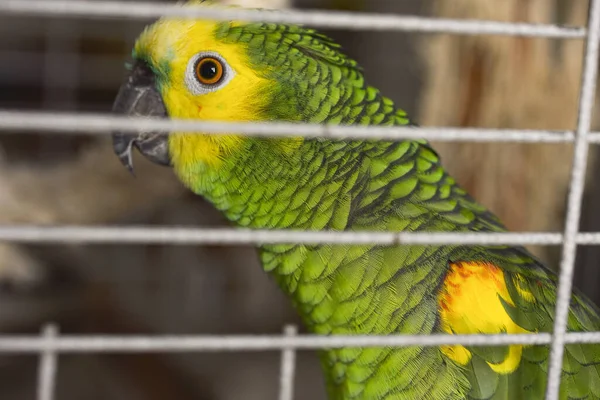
(138, 97)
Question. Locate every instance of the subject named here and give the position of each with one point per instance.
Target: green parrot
(247, 71)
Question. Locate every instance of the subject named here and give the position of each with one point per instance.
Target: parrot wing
(481, 289)
(513, 293)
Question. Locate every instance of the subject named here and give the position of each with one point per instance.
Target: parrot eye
(207, 72)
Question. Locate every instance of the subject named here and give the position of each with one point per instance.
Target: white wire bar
(103, 124)
(574, 201)
(74, 344)
(236, 236)
(324, 19)
(288, 367)
(48, 365)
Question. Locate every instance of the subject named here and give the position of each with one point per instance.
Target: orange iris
(209, 71)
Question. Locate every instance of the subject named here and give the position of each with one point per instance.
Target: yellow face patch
(169, 45)
(470, 303)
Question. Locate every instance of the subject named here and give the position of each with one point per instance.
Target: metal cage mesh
(50, 343)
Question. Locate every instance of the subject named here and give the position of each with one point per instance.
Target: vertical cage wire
(574, 202)
(48, 364)
(288, 367)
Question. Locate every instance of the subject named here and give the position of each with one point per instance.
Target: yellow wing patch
(470, 303)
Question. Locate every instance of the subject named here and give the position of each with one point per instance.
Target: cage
(71, 27)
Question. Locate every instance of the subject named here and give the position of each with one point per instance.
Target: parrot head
(230, 71)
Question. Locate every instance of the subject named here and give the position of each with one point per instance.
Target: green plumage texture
(378, 186)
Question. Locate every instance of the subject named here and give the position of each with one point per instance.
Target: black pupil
(208, 70)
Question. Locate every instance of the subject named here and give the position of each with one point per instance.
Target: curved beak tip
(127, 161)
(123, 148)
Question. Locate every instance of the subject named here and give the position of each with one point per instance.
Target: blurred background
(77, 65)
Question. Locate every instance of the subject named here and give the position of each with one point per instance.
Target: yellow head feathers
(174, 48)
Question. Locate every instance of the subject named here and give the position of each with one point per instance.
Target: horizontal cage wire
(233, 236)
(99, 124)
(325, 19)
(50, 343)
(204, 343)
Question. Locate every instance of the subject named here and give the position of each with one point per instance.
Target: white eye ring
(193, 83)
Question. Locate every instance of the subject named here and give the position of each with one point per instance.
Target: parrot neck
(324, 185)
(311, 188)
